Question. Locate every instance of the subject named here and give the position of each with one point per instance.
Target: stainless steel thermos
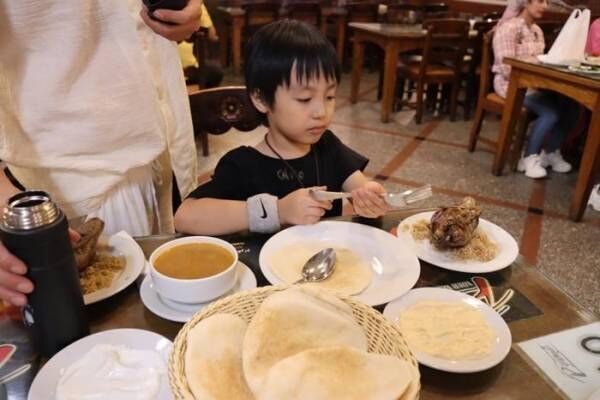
(35, 230)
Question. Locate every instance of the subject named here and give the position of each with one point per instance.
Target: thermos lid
(29, 210)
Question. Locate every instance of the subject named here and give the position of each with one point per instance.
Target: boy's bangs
(313, 67)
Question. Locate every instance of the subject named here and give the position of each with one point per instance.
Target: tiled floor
(404, 154)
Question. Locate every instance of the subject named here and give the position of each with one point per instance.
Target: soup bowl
(197, 290)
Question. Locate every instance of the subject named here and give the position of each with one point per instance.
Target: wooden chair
(472, 69)
(489, 101)
(442, 61)
(215, 111)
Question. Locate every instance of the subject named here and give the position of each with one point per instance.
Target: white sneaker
(556, 161)
(594, 200)
(532, 166)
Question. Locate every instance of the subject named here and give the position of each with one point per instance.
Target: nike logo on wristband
(264, 214)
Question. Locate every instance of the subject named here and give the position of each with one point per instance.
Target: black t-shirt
(244, 172)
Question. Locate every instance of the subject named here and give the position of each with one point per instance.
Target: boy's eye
(332, 97)
(304, 99)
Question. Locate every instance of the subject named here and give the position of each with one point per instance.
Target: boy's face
(536, 8)
(303, 111)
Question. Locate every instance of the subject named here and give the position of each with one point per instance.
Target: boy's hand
(368, 201)
(185, 22)
(300, 208)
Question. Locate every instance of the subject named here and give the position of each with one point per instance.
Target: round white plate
(179, 312)
(44, 384)
(502, 343)
(395, 267)
(121, 245)
(508, 250)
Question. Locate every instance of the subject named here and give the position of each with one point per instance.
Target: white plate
(179, 312)
(508, 250)
(121, 245)
(395, 267)
(44, 384)
(500, 348)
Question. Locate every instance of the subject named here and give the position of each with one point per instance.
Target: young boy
(292, 74)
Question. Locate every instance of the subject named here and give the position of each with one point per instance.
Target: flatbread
(292, 321)
(352, 273)
(213, 359)
(337, 373)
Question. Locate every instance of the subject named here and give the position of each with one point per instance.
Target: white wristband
(263, 215)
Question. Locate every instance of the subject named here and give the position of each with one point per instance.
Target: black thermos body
(35, 230)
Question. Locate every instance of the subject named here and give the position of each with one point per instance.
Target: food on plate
(101, 273)
(112, 372)
(455, 226)
(352, 274)
(302, 343)
(449, 330)
(85, 247)
(337, 373)
(292, 321)
(97, 268)
(193, 260)
(213, 358)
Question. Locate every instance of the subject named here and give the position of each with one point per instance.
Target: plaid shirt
(514, 38)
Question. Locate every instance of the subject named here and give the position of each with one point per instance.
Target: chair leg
(476, 127)
(454, 100)
(419, 116)
(204, 141)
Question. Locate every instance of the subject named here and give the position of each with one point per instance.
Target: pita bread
(352, 273)
(337, 373)
(292, 321)
(213, 359)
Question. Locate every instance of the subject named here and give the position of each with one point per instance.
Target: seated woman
(520, 37)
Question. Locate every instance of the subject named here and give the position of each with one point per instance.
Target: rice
(101, 272)
(480, 247)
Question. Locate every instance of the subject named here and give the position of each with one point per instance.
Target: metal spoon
(319, 267)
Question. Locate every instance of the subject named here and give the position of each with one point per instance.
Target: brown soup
(193, 261)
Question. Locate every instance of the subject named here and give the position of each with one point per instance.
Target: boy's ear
(258, 102)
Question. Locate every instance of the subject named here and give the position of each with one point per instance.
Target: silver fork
(398, 200)
(409, 196)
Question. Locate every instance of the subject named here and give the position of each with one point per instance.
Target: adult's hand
(182, 22)
(13, 285)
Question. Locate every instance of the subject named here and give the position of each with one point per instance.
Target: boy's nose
(319, 109)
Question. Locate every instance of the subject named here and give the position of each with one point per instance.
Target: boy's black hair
(273, 50)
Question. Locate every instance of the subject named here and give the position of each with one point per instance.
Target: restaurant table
(583, 88)
(538, 308)
(235, 19)
(393, 39)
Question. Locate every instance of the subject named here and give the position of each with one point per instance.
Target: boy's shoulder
(242, 155)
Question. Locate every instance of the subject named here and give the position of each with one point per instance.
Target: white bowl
(190, 291)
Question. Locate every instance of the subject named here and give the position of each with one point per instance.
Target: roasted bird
(85, 248)
(455, 226)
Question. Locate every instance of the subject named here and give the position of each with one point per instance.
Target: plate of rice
(490, 249)
(118, 261)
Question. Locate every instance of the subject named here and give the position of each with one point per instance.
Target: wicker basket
(382, 336)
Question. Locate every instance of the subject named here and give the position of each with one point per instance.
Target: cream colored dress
(94, 110)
